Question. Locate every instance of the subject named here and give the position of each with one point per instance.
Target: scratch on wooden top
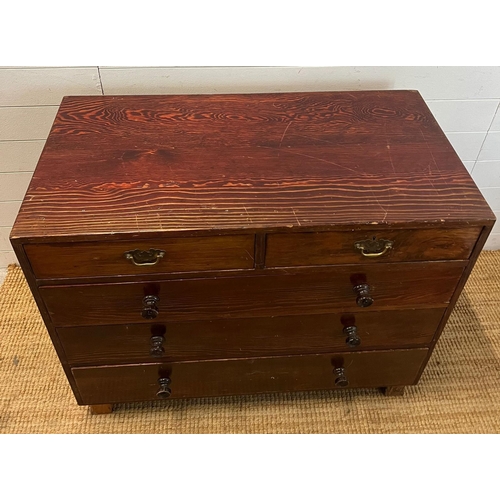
(298, 221)
(283, 136)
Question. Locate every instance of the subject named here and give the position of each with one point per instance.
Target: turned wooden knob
(352, 339)
(363, 295)
(164, 391)
(150, 307)
(157, 348)
(341, 378)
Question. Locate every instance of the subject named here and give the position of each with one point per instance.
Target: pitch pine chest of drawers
(208, 245)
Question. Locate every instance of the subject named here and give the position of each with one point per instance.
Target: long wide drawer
(142, 382)
(134, 257)
(317, 291)
(249, 337)
(385, 245)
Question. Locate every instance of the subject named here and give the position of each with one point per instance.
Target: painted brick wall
(464, 100)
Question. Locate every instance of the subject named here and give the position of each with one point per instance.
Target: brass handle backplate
(373, 247)
(145, 257)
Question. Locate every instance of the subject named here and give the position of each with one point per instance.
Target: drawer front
(249, 337)
(135, 257)
(319, 291)
(115, 384)
(336, 247)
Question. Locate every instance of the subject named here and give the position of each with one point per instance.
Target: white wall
(464, 100)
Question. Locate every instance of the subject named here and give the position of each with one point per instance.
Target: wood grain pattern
(248, 337)
(146, 164)
(320, 290)
(181, 254)
(258, 201)
(31, 280)
(309, 249)
(113, 384)
(458, 290)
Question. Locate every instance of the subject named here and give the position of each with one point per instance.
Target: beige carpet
(458, 393)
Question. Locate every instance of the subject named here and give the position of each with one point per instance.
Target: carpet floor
(459, 391)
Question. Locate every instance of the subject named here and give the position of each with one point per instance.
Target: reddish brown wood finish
(156, 164)
(317, 291)
(249, 337)
(248, 376)
(30, 279)
(312, 249)
(458, 290)
(70, 260)
(246, 192)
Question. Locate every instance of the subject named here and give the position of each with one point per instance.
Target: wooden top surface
(294, 161)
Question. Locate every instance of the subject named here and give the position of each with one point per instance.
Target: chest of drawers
(190, 246)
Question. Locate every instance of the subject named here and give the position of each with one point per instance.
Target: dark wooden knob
(164, 391)
(150, 307)
(352, 339)
(157, 348)
(341, 378)
(363, 295)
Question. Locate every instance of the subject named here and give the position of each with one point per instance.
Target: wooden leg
(101, 409)
(394, 390)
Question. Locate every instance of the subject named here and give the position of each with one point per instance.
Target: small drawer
(134, 257)
(144, 382)
(380, 245)
(322, 290)
(249, 337)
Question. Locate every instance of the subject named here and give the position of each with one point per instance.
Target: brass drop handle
(363, 295)
(145, 257)
(150, 307)
(341, 377)
(373, 247)
(157, 348)
(352, 339)
(164, 391)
